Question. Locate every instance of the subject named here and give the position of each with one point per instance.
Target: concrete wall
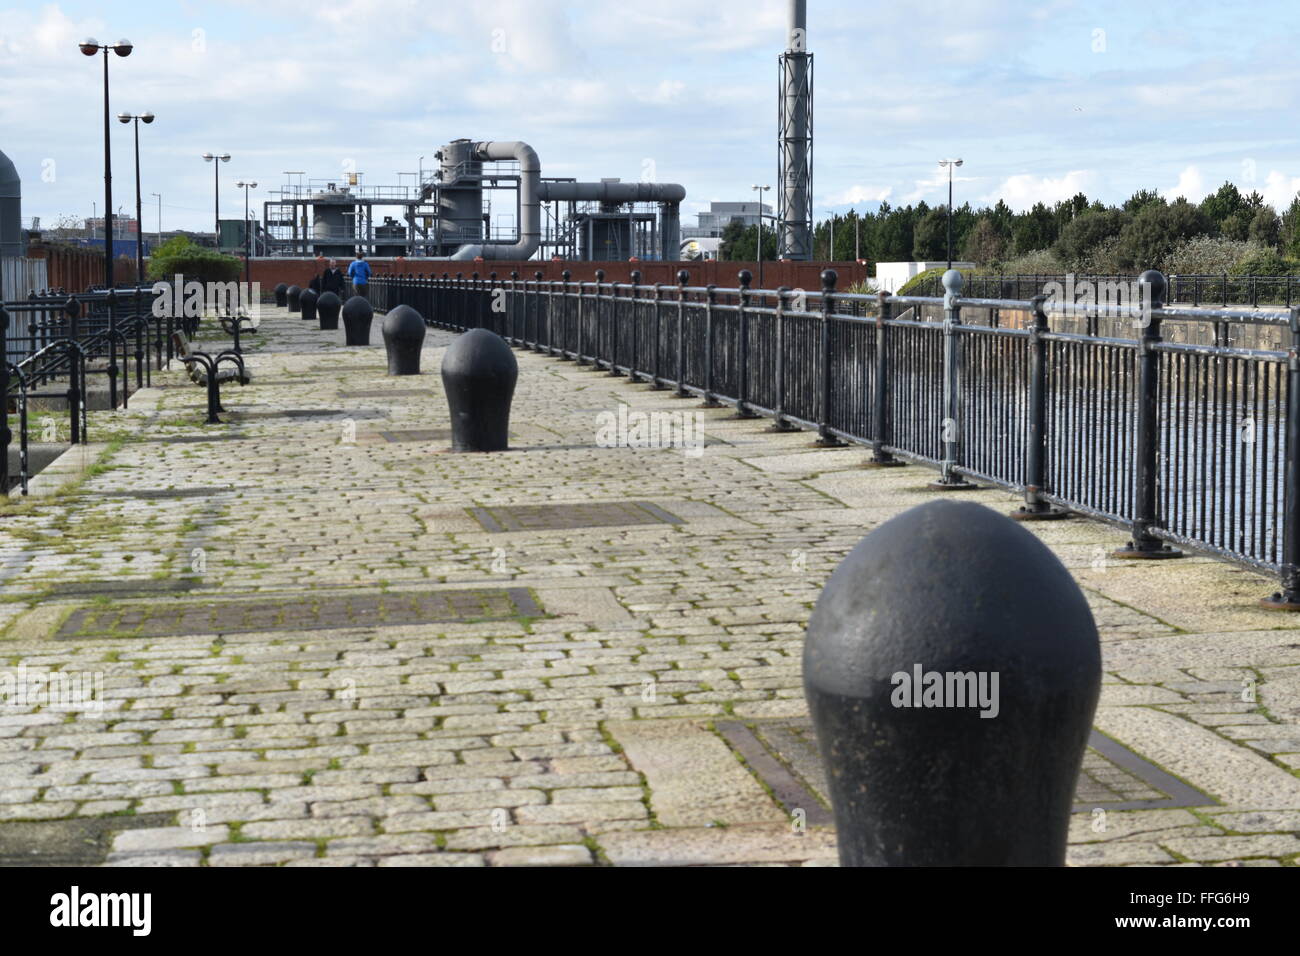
(891, 275)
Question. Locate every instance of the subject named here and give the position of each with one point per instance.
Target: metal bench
(207, 370)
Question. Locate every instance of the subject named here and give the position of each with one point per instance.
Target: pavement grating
(417, 434)
(784, 755)
(315, 612)
(387, 393)
(81, 841)
(597, 514)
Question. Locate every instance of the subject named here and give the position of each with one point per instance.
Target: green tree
(1141, 199)
(1224, 203)
(930, 237)
(1085, 232)
(983, 245)
(1148, 239)
(1034, 230)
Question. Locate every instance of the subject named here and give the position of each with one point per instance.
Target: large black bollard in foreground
(281, 295)
(403, 330)
(291, 298)
(479, 372)
(327, 310)
(952, 668)
(357, 313)
(307, 304)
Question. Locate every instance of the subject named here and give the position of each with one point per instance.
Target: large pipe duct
(532, 192)
(11, 222)
(795, 122)
(530, 204)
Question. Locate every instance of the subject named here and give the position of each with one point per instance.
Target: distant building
(891, 276)
(722, 214)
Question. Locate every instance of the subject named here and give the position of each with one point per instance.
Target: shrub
(1082, 234)
(1263, 261)
(1039, 262)
(1147, 241)
(181, 256)
(927, 282)
(1206, 255)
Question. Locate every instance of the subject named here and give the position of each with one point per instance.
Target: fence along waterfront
(1186, 445)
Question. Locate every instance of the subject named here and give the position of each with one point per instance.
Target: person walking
(359, 273)
(331, 280)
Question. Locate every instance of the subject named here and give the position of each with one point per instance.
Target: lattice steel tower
(794, 211)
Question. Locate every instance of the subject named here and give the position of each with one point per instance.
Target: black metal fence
(53, 345)
(1221, 290)
(1182, 443)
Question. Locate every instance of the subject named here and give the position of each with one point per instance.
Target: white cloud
(1279, 189)
(1020, 192)
(1190, 185)
(855, 195)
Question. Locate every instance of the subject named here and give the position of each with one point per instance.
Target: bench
(207, 370)
(236, 322)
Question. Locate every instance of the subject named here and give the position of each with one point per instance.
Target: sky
(1040, 98)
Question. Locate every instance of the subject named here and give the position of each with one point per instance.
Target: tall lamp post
(216, 195)
(139, 214)
(760, 190)
(951, 164)
(248, 261)
(90, 46)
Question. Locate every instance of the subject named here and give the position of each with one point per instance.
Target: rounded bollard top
(308, 293)
(357, 307)
(683, 277)
(600, 275)
(327, 299)
(952, 281)
(292, 289)
(403, 322)
(745, 277)
(1155, 279)
(281, 287)
(635, 276)
(829, 277)
(954, 587)
(479, 352)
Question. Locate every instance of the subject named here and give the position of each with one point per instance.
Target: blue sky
(1041, 99)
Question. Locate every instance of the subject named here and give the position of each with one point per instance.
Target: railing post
(880, 415)
(635, 276)
(111, 300)
(537, 313)
(656, 380)
(6, 436)
(710, 304)
(824, 436)
(779, 424)
(950, 434)
(1288, 599)
(1035, 508)
(683, 277)
(743, 410)
(1147, 440)
(612, 311)
(568, 325)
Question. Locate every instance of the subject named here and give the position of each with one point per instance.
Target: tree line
(1227, 231)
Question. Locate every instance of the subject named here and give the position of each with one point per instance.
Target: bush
(1039, 262)
(1082, 234)
(1206, 255)
(1263, 261)
(1147, 241)
(181, 256)
(925, 283)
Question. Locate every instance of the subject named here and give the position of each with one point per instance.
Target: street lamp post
(760, 190)
(248, 261)
(90, 46)
(216, 194)
(139, 214)
(951, 164)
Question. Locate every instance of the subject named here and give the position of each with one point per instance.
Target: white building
(722, 214)
(891, 276)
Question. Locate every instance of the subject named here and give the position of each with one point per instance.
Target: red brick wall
(75, 268)
(803, 275)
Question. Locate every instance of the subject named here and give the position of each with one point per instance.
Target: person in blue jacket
(359, 274)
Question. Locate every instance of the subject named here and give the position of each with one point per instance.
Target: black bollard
(327, 310)
(291, 297)
(357, 313)
(403, 330)
(952, 669)
(281, 295)
(479, 372)
(307, 304)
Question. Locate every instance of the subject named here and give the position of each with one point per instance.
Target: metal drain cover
(597, 514)
(308, 612)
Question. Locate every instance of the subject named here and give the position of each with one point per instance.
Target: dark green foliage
(183, 257)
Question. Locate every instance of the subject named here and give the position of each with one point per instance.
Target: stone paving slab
(591, 732)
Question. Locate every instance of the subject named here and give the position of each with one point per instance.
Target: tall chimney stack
(794, 233)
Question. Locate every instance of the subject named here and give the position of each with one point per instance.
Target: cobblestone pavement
(314, 638)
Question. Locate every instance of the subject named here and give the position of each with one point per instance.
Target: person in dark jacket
(331, 280)
(314, 284)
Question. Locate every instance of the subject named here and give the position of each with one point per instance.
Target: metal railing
(1182, 443)
(51, 346)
